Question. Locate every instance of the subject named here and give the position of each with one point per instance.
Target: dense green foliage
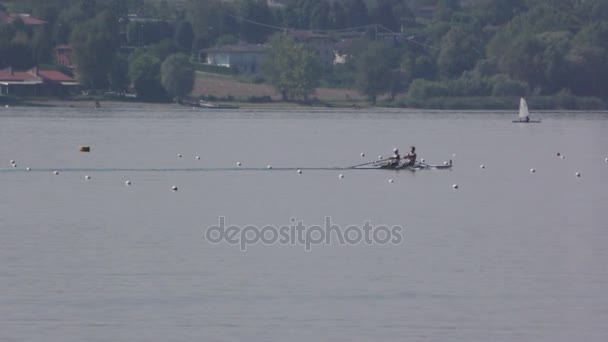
(423, 48)
(292, 68)
(177, 75)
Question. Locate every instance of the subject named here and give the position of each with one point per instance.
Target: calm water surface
(509, 256)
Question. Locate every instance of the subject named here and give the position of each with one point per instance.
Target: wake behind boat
(524, 114)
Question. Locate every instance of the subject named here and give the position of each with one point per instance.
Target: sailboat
(524, 115)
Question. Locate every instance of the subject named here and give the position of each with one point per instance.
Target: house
(63, 56)
(18, 82)
(28, 20)
(244, 58)
(320, 42)
(36, 82)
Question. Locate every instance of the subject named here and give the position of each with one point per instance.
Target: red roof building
(63, 56)
(35, 82)
(28, 20)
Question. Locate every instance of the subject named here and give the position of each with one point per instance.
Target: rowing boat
(405, 165)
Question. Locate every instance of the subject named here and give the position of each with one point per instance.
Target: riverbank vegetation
(412, 53)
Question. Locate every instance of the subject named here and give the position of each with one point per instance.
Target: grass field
(223, 86)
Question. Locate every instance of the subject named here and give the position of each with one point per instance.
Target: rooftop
(9, 18)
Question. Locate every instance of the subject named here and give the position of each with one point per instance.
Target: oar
(374, 162)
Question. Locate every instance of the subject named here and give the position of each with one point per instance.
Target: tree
(374, 70)
(184, 36)
(460, 50)
(144, 71)
(94, 45)
(119, 74)
(177, 75)
(255, 10)
(291, 68)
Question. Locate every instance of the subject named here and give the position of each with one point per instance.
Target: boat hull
(525, 122)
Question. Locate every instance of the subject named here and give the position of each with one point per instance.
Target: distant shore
(449, 103)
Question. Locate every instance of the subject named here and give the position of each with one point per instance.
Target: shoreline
(541, 104)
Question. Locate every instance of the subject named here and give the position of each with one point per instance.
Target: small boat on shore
(524, 114)
(208, 105)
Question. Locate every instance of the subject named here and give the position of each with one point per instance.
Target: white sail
(523, 109)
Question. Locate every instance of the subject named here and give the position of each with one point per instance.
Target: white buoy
(56, 173)
(87, 177)
(6, 106)
(422, 160)
(12, 162)
(179, 155)
(445, 163)
(606, 160)
(379, 157)
(362, 155)
(482, 166)
(391, 181)
(341, 176)
(239, 164)
(455, 186)
(453, 155)
(299, 172)
(532, 171)
(198, 158)
(28, 169)
(578, 174)
(128, 183)
(562, 157)
(174, 188)
(269, 167)
(14, 165)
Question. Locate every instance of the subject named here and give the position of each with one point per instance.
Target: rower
(394, 160)
(411, 157)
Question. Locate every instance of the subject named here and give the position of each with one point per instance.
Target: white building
(244, 58)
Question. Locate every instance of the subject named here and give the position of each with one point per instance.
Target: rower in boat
(394, 160)
(410, 157)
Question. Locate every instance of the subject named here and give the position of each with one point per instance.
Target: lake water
(509, 256)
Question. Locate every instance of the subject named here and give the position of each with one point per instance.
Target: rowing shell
(407, 166)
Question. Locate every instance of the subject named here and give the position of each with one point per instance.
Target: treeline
(115, 44)
(423, 48)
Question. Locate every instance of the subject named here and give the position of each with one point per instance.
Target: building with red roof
(36, 82)
(28, 20)
(63, 56)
